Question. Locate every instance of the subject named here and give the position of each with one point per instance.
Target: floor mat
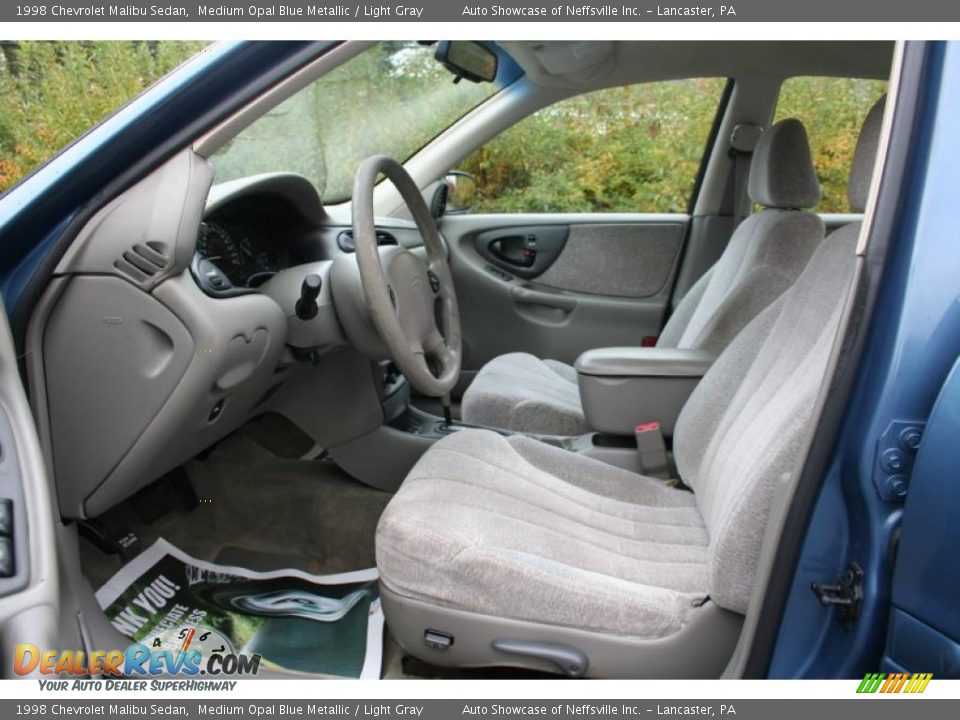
(297, 622)
(308, 511)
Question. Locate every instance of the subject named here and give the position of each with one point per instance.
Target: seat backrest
(767, 251)
(744, 427)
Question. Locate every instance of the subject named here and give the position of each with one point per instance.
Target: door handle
(525, 251)
(517, 250)
(529, 296)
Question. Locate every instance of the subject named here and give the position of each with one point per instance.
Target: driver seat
(766, 253)
(508, 551)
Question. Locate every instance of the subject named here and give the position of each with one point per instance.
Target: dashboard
(258, 227)
(248, 247)
(246, 261)
(245, 242)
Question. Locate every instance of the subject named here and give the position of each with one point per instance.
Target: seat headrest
(864, 157)
(781, 172)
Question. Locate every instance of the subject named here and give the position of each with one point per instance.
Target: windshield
(391, 99)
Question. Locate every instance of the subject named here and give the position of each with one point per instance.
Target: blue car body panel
(913, 342)
(924, 631)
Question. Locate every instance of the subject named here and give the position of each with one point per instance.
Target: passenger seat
(766, 253)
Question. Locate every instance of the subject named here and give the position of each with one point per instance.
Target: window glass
(832, 110)
(391, 99)
(52, 92)
(626, 149)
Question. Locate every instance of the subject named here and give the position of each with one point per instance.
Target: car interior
(561, 433)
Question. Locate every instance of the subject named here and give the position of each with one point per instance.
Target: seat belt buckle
(651, 450)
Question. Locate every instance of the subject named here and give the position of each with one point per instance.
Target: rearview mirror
(467, 59)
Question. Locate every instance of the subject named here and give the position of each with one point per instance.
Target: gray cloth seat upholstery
(519, 391)
(594, 536)
(511, 529)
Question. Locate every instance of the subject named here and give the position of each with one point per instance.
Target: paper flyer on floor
(296, 622)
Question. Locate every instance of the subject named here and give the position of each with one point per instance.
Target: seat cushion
(521, 392)
(515, 528)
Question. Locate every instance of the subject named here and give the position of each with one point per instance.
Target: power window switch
(6, 557)
(6, 518)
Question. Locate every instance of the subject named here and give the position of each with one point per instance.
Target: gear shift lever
(447, 415)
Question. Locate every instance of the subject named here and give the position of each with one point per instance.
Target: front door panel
(29, 588)
(556, 285)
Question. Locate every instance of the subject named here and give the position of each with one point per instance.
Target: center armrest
(632, 361)
(621, 387)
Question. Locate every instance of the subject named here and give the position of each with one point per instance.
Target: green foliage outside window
(391, 99)
(638, 148)
(626, 149)
(832, 109)
(53, 92)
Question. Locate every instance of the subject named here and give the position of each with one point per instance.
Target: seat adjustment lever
(571, 661)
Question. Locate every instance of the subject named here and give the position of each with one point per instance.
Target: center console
(622, 387)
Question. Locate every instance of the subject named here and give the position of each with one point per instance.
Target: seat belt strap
(743, 140)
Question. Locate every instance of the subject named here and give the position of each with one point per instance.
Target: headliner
(581, 65)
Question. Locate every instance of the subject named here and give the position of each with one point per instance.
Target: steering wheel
(412, 303)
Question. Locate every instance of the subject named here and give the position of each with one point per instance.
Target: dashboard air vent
(345, 240)
(142, 262)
